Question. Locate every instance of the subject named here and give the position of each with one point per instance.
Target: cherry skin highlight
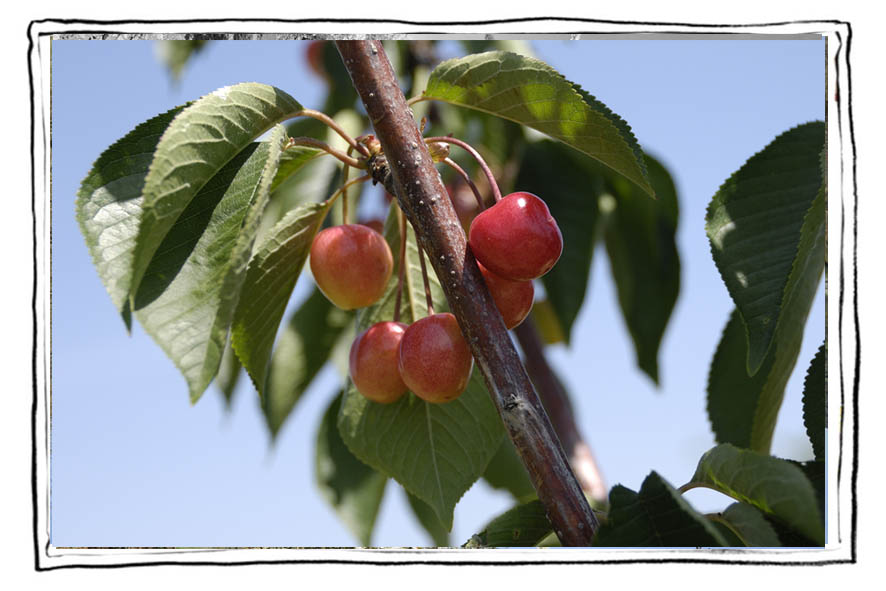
(351, 264)
(373, 362)
(512, 298)
(517, 238)
(435, 361)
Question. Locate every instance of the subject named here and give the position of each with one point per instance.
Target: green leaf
(429, 521)
(175, 54)
(815, 409)
(641, 240)
(270, 278)
(507, 472)
(743, 409)
(228, 377)
(748, 523)
(530, 92)
(522, 526)
(436, 451)
(293, 160)
(109, 205)
(187, 297)
(353, 489)
(732, 539)
(733, 396)
(656, 516)
(569, 184)
(755, 225)
(303, 348)
(815, 472)
(775, 486)
(197, 144)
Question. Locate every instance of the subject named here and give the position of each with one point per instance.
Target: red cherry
(512, 298)
(435, 361)
(351, 264)
(516, 238)
(373, 362)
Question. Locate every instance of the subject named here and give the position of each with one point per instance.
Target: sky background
(133, 463)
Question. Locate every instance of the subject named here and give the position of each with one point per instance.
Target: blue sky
(135, 464)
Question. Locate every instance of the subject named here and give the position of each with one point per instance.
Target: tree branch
(559, 409)
(423, 198)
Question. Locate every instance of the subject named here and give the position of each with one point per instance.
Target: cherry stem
(424, 277)
(346, 169)
(313, 143)
(467, 179)
(401, 219)
(329, 122)
(470, 150)
(344, 187)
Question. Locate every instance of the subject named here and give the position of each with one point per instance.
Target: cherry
(512, 298)
(435, 361)
(373, 362)
(351, 264)
(516, 238)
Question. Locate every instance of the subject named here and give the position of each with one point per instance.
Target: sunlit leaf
(187, 297)
(109, 205)
(528, 91)
(197, 144)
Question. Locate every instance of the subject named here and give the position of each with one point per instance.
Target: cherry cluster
(514, 241)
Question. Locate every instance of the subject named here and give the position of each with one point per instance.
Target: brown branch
(559, 409)
(423, 198)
